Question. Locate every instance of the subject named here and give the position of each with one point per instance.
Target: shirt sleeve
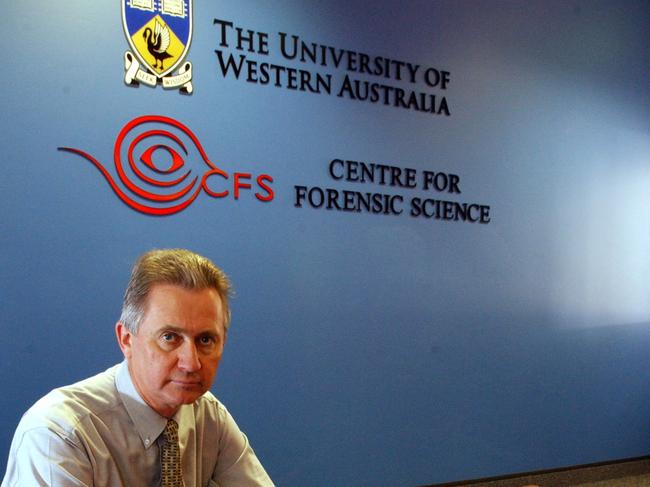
(41, 457)
(237, 465)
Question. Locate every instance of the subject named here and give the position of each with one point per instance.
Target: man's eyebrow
(182, 331)
(174, 328)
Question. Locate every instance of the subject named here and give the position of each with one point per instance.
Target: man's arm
(41, 457)
(237, 465)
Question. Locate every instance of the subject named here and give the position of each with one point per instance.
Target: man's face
(175, 354)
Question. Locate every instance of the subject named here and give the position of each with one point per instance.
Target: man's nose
(188, 357)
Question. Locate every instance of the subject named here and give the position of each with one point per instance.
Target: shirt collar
(147, 422)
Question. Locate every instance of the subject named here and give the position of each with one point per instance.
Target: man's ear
(124, 339)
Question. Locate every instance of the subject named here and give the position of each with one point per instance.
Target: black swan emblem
(158, 43)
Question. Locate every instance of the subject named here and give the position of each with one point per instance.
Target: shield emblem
(159, 32)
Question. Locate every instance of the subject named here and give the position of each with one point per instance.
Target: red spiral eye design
(150, 156)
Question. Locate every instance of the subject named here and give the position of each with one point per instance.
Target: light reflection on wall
(602, 269)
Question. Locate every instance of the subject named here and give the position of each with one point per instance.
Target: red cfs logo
(149, 157)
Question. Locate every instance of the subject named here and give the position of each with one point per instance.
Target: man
(149, 421)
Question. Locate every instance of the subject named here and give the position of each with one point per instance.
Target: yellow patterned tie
(171, 456)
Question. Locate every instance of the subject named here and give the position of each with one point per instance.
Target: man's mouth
(186, 383)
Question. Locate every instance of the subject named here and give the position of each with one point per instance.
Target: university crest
(159, 34)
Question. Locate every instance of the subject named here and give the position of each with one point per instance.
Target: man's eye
(208, 342)
(169, 337)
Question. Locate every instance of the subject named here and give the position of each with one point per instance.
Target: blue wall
(366, 349)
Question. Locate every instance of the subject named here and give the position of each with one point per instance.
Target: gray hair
(171, 266)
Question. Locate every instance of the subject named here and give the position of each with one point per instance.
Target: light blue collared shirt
(100, 432)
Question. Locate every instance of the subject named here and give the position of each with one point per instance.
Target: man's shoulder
(210, 408)
(64, 407)
(208, 401)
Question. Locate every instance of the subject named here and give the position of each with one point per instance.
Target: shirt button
(147, 441)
